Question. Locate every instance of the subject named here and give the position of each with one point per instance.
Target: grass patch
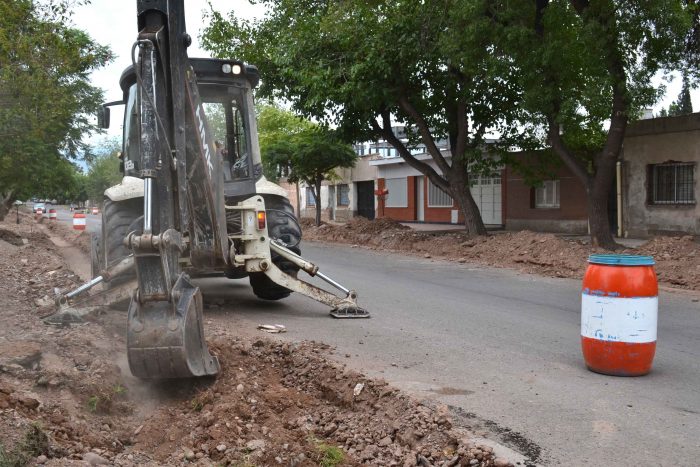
(93, 403)
(328, 456)
(34, 443)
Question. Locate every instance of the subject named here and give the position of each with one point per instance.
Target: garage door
(487, 194)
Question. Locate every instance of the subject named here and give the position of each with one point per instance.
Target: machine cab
(225, 89)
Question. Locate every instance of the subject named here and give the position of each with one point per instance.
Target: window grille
(310, 199)
(547, 195)
(342, 195)
(673, 183)
(438, 198)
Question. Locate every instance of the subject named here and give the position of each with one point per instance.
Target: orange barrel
(79, 221)
(52, 215)
(95, 211)
(619, 310)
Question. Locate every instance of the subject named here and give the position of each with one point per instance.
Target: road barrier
(95, 211)
(619, 312)
(52, 215)
(79, 221)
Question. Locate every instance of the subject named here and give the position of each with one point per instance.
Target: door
(420, 199)
(365, 199)
(487, 195)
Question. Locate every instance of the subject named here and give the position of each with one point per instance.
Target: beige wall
(656, 141)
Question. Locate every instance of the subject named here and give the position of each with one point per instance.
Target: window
(310, 198)
(672, 183)
(342, 193)
(547, 195)
(438, 198)
(398, 192)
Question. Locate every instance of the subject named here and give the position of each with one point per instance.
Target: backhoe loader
(193, 202)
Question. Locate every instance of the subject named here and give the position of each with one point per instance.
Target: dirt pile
(677, 258)
(287, 404)
(67, 397)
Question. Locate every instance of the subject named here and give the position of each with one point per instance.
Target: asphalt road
(63, 214)
(502, 349)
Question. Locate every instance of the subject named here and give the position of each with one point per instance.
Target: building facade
(660, 189)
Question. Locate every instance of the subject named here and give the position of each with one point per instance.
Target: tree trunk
(317, 195)
(298, 201)
(473, 224)
(598, 193)
(6, 200)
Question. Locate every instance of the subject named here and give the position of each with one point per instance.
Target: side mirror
(103, 117)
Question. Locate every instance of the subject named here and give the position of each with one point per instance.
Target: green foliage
(103, 170)
(586, 70)
(363, 66)
(34, 443)
(45, 95)
(309, 156)
(276, 127)
(683, 105)
(330, 455)
(93, 403)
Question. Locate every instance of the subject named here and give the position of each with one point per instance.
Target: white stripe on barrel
(79, 221)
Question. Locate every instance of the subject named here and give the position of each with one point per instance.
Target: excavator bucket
(166, 339)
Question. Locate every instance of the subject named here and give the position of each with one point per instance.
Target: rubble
(69, 390)
(677, 258)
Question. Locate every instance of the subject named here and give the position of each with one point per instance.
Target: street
(501, 348)
(504, 349)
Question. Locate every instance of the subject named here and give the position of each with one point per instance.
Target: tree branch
(572, 162)
(406, 155)
(425, 134)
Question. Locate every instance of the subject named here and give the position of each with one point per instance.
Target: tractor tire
(117, 219)
(282, 227)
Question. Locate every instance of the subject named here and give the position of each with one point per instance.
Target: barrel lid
(622, 260)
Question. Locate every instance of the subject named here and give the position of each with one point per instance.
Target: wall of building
(407, 213)
(656, 141)
(520, 213)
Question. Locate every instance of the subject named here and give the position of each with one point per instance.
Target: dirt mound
(11, 237)
(280, 403)
(66, 395)
(362, 225)
(677, 258)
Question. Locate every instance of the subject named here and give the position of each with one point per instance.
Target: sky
(113, 23)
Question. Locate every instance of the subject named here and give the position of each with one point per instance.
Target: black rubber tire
(280, 227)
(117, 218)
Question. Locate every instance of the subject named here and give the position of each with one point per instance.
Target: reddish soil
(67, 397)
(677, 258)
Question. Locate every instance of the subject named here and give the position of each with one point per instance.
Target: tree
(683, 105)
(45, 95)
(103, 169)
(586, 68)
(310, 156)
(274, 126)
(363, 66)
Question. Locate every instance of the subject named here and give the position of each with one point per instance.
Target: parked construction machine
(193, 201)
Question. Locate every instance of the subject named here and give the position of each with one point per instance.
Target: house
(557, 205)
(660, 189)
(350, 194)
(412, 197)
